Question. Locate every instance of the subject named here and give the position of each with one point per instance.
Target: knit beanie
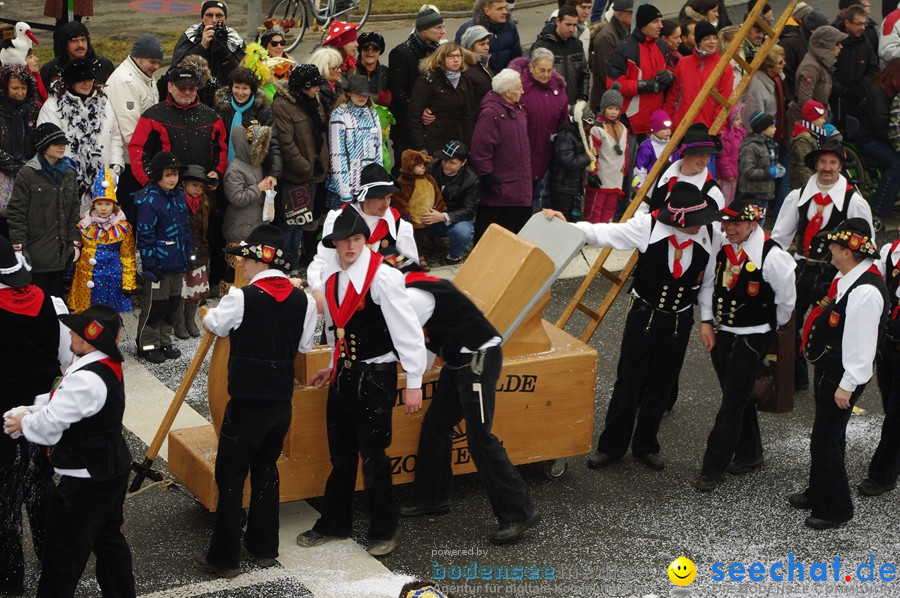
(473, 34)
(427, 19)
(660, 120)
(760, 121)
(213, 4)
(47, 134)
(812, 110)
(704, 29)
(611, 97)
(646, 13)
(815, 19)
(801, 11)
(147, 46)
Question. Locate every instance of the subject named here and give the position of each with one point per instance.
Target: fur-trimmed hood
(222, 99)
(520, 65)
(283, 89)
(251, 146)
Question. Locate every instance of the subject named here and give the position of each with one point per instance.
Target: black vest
(455, 323)
(264, 346)
(30, 364)
(96, 443)
(818, 247)
(751, 302)
(367, 333)
(654, 283)
(823, 347)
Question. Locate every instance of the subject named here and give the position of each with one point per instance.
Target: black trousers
(85, 516)
(885, 465)
(736, 359)
(512, 218)
(829, 490)
(26, 478)
(453, 400)
(809, 276)
(358, 415)
(252, 435)
(653, 348)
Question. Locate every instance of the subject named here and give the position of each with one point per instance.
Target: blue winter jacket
(163, 229)
(505, 44)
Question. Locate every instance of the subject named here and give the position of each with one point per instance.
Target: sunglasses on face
(279, 42)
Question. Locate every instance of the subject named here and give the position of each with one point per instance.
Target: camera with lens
(220, 32)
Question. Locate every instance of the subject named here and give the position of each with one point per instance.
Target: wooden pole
(145, 470)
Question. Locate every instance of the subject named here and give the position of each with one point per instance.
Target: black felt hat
(162, 161)
(686, 206)
(347, 224)
(856, 235)
(375, 182)
(360, 86)
(697, 140)
(831, 146)
(98, 325)
(265, 244)
(744, 208)
(195, 172)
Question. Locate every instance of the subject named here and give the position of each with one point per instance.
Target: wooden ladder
(732, 52)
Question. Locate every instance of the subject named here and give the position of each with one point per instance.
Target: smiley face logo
(682, 571)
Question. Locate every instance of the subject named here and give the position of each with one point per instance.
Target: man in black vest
(674, 267)
(885, 465)
(371, 325)
(268, 321)
(840, 338)
(82, 420)
(825, 201)
(28, 366)
(753, 294)
(470, 347)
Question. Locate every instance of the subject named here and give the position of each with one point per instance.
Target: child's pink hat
(659, 120)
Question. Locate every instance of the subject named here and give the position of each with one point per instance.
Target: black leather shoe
(652, 460)
(420, 511)
(799, 501)
(201, 563)
(706, 483)
(171, 352)
(153, 356)
(816, 523)
(601, 460)
(869, 487)
(312, 538)
(510, 532)
(259, 560)
(741, 467)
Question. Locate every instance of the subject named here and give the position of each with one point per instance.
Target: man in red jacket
(639, 65)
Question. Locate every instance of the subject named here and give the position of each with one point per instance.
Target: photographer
(219, 44)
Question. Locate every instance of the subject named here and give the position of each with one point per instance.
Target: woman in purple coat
(544, 101)
(499, 154)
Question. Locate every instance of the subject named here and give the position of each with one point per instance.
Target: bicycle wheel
(287, 11)
(855, 168)
(348, 11)
(363, 10)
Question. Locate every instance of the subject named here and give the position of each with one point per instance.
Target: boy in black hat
(459, 188)
(389, 234)
(675, 267)
(28, 368)
(268, 322)
(697, 148)
(753, 294)
(840, 338)
(165, 245)
(826, 200)
(81, 419)
(371, 325)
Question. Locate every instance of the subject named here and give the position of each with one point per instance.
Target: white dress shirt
(388, 291)
(402, 231)
(777, 271)
(639, 233)
(229, 313)
(858, 345)
(80, 394)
